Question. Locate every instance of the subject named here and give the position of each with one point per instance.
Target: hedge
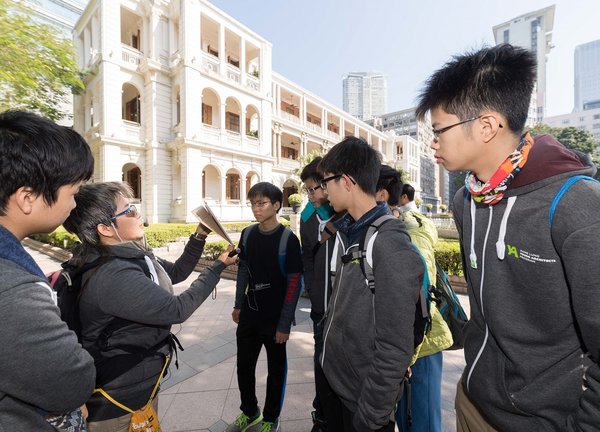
(447, 253)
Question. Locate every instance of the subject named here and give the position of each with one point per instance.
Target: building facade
(62, 14)
(532, 31)
(365, 94)
(414, 155)
(587, 76)
(182, 103)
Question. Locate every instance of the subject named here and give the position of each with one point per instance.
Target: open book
(208, 218)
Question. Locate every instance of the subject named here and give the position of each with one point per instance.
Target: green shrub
(159, 234)
(447, 253)
(57, 238)
(212, 250)
(235, 226)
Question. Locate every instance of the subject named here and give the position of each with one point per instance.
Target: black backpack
(66, 282)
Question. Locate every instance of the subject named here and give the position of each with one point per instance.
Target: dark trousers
(318, 325)
(338, 417)
(251, 337)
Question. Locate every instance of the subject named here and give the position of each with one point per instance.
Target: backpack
(450, 308)
(283, 241)
(365, 255)
(66, 282)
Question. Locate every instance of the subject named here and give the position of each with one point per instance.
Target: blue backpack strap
(283, 242)
(564, 188)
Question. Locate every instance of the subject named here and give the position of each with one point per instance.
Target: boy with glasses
(316, 228)
(532, 349)
(369, 334)
(45, 372)
(268, 286)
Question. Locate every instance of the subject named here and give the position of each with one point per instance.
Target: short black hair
(409, 191)
(37, 153)
(356, 158)
(267, 190)
(96, 204)
(391, 181)
(310, 171)
(500, 78)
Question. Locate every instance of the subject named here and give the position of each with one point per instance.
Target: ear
(491, 123)
(277, 205)
(382, 195)
(106, 231)
(24, 198)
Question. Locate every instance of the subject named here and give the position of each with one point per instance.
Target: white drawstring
(472, 254)
(500, 246)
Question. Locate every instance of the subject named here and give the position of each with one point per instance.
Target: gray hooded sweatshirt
(368, 338)
(42, 367)
(532, 345)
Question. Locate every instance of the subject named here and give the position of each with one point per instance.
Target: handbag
(144, 419)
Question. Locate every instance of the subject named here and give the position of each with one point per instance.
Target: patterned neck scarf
(493, 190)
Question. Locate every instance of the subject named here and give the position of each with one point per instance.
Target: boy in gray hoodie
(369, 335)
(44, 371)
(532, 348)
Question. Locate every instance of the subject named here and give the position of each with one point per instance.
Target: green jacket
(423, 234)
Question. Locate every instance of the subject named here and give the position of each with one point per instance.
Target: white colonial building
(182, 103)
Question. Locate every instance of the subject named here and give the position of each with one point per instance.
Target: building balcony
(290, 164)
(233, 74)
(289, 117)
(314, 127)
(210, 63)
(132, 132)
(211, 134)
(253, 83)
(130, 55)
(333, 135)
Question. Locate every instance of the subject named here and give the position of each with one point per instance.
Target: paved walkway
(202, 395)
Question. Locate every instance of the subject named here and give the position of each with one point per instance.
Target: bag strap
(283, 241)
(564, 188)
(129, 410)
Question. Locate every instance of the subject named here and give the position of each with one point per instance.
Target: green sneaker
(270, 426)
(243, 423)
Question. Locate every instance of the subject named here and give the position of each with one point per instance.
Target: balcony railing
(253, 83)
(290, 117)
(130, 55)
(233, 74)
(210, 63)
(211, 133)
(333, 135)
(133, 131)
(314, 127)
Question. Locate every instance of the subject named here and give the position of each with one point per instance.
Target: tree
(38, 69)
(574, 139)
(571, 137)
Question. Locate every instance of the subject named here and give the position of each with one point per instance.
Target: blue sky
(316, 42)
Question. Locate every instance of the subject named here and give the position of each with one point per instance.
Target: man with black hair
(368, 337)
(316, 233)
(531, 261)
(46, 374)
(268, 287)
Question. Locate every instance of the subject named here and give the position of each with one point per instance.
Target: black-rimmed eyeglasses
(438, 132)
(130, 211)
(310, 190)
(323, 183)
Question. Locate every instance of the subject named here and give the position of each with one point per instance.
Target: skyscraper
(365, 94)
(587, 76)
(532, 31)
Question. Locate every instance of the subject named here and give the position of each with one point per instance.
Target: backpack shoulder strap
(283, 242)
(246, 234)
(365, 249)
(564, 188)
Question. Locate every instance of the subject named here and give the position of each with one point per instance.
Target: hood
(128, 250)
(548, 159)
